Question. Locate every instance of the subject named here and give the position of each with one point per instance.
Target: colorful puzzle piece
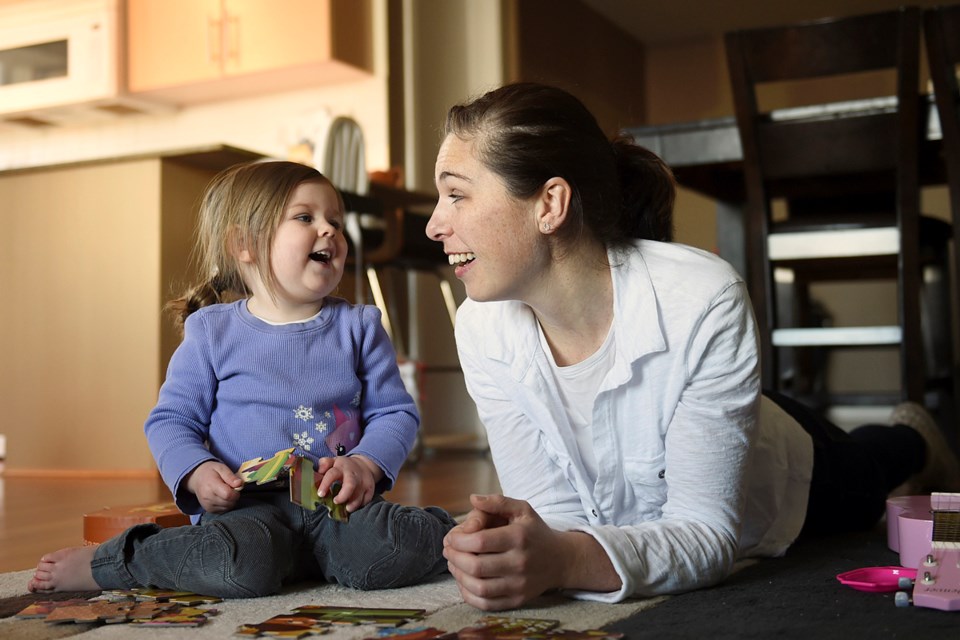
(43, 608)
(284, 626)
(304, 482)
(263, 471)
(505, 628)
(360, 615)
(407, 633)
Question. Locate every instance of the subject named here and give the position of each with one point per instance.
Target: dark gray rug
(797, 596)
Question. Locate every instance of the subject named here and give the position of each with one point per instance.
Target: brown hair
(527, 133)
(241, 208)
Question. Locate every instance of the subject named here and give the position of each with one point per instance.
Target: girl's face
(308, 253)
(488, 235)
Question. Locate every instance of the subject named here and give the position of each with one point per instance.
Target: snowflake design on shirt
(356, 400)
(303, 440)
(303, 413)
(321, 426)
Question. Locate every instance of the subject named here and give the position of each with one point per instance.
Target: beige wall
(89, 255)
(80, 370)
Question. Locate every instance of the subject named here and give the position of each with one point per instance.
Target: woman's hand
(358, 477)
(503, 554)
(215, 485)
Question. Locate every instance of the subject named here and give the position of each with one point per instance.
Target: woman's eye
(455, 197)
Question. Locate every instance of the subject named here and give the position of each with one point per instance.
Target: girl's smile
(307, 256)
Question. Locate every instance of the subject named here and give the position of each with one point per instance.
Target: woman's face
(488, 235)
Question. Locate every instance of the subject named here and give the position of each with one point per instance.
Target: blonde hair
(241, 210)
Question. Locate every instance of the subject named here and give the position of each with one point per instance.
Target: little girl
(286, 365)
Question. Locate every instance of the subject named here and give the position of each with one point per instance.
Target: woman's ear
(553, 205)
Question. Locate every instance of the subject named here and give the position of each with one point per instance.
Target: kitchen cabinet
(192, 51)
(89, 254)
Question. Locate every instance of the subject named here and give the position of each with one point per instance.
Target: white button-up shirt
(695, 471)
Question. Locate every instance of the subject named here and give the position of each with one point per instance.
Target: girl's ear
(553, 205)
(235, 246)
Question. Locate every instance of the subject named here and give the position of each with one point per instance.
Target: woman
(617, 376)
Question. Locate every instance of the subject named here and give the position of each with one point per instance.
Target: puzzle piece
(177, 617)
(407, 633)
(304, 482)
(43, 608)
(185, 598)
(285, 626)
(505, 628)
(361, 615)
(109, 612)
(263, 471)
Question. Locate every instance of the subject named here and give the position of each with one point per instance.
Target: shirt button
(661, 474)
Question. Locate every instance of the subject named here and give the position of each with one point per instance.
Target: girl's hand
(215, 485)
(358, 477)
(503, 555)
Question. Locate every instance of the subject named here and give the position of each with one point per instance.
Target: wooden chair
(847, 173)
(941, 27)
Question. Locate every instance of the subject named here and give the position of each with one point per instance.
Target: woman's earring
(546, 226)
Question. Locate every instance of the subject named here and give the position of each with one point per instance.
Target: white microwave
(62, 60)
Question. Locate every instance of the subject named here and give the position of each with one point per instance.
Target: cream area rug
(440, 598)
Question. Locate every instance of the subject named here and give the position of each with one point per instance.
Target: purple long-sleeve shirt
(238, 388)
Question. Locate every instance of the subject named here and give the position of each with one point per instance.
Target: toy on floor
(304, 481)
(937, 582)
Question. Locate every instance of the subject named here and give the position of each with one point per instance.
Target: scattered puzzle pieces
(139, 607)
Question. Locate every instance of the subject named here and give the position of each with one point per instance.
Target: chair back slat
(823, 48)
(828, 147)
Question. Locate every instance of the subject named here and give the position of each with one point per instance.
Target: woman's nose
(436, 228)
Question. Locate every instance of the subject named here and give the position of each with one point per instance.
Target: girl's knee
(406, 547)
(246, 560)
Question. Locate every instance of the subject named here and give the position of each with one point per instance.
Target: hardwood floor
(38, 515)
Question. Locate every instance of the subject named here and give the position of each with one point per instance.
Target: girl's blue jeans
(267, 541)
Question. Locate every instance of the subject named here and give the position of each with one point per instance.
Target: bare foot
(65, 570)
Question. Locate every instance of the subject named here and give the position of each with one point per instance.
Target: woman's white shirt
(694, 470)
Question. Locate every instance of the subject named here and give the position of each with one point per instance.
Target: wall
(80, 373)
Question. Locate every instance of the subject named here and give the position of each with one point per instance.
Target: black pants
(853, 473)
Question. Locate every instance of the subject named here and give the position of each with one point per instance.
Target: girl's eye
(304, 217)
(336, 224)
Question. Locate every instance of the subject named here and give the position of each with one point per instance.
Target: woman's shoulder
(682, 268)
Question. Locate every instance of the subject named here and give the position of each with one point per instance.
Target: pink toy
(877, 579)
